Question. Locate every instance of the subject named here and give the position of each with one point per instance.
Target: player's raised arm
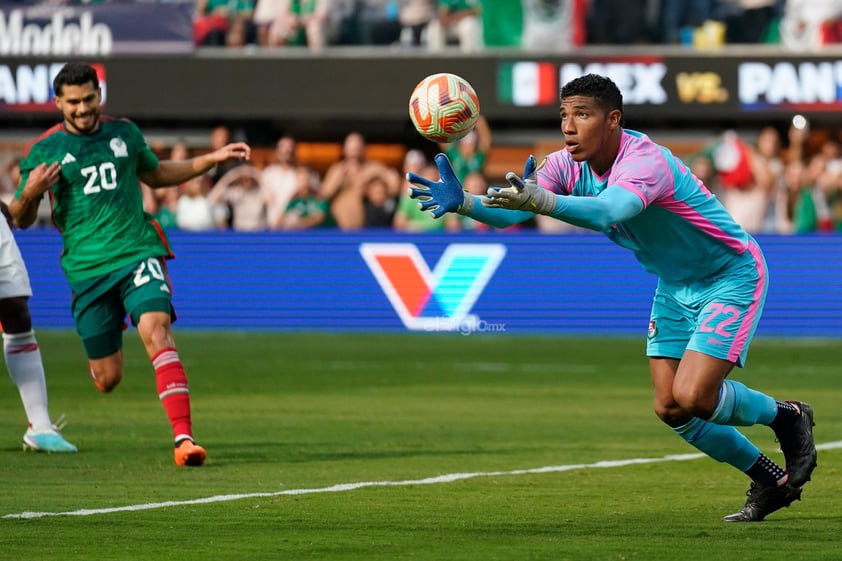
(172, 172)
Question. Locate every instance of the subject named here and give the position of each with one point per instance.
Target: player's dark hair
(601, 88)
(75, 74)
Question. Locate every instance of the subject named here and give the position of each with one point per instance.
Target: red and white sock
(173, 392)
(23, 361)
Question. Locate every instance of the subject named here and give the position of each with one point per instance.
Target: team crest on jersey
(119, 147)
(653, 330)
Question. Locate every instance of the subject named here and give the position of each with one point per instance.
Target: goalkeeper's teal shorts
(716, 316)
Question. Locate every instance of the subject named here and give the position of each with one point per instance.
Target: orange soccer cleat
(188, 453)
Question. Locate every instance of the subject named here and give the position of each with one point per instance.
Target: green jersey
(97, 204)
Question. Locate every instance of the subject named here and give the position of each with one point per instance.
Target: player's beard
(84, 125)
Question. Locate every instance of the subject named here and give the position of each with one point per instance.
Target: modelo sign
(95, 29)
(62, 32)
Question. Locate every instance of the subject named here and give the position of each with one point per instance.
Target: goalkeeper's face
(590, 132)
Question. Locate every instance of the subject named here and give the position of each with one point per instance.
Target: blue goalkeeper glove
(444, 195)
(523, 194)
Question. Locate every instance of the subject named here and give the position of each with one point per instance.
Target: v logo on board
(440, 299)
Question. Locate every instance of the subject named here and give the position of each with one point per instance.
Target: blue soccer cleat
(49, 440)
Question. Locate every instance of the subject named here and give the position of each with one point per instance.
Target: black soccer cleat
(763, 501)
(797, 444)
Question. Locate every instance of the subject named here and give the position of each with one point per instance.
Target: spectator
(805, 23)
(280, 180)
(745, 182)
(195, 212)
(702, 167)
(475, 184)
(344, 22)
(408, 216)
(820, 181)
(266, 13)
(767, 156)
(415, 16)
(166, 208)
(748, 21)
(378, 22)
(9, 180)
(459, 21)
(832, 187)
(210, 24)
(292, 23)
(345, 180)
(378, 202)
(682, 16)
(834, 204)
(617, 22)
(163, 203)
(220, 136)
(241, 31)
(468, 154)
(797, 210)
(831, 151)
(223, 22)
(305, 209)
(240, 189)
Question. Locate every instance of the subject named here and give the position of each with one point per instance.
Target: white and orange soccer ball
(443, 107)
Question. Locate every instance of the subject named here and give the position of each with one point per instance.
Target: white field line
(340, 487)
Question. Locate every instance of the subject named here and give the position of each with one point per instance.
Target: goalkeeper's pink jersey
(683, 234)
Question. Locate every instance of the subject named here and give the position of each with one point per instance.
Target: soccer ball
(443, 107)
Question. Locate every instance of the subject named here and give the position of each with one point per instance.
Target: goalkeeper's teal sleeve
(496, 217)
(599, 213)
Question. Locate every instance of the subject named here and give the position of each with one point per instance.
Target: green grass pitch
(286, 417)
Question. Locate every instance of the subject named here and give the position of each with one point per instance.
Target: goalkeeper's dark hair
(601, 88)
(75, 74)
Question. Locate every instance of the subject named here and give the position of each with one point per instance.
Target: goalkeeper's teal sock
(741, 406)
(721, 442)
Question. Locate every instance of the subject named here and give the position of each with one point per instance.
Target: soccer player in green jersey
(113, 252)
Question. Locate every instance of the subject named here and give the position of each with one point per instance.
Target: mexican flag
(547, 25)
(528, 83)
(532, 26)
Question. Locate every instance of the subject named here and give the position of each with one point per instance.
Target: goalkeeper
(712, 279)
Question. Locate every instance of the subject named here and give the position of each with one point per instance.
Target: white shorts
(14, 280)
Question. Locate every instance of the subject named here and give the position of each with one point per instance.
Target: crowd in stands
(777, 184)
(772, 182)
(776, 181)
(470, 24)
